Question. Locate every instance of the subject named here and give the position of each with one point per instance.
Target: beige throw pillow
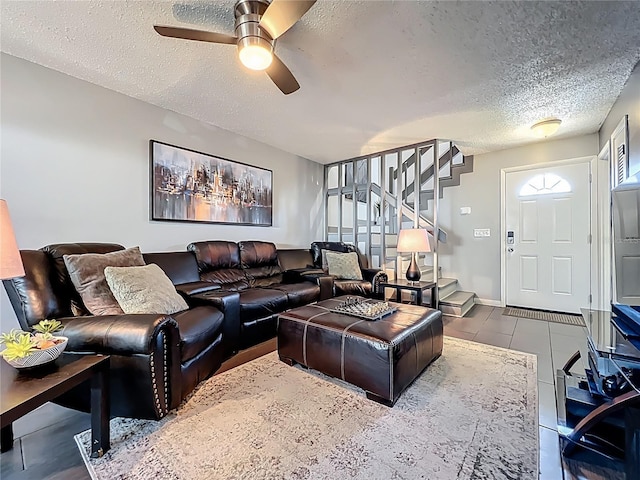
(144, 290)
(344, 265)
(87, 274)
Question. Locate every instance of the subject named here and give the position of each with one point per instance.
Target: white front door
(548, 243)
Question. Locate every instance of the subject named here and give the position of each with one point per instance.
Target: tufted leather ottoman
(382, 357)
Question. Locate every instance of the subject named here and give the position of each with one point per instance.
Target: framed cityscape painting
(189, 186)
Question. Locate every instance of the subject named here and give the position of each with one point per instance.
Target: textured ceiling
(373, 74)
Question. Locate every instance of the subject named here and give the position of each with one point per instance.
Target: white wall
(75, 168)
(475, 262)
(628, 103)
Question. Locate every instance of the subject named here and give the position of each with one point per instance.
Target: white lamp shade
(10, 261)
(413, 240)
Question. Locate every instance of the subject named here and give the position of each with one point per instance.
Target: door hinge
(590, 178)
(589, 239)
(590, 299)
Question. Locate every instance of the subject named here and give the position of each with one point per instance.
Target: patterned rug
(566, 318)
(473, 414)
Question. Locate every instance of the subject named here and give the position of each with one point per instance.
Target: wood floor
(44, 447)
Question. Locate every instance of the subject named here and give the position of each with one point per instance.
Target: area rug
(554, 317)
(473, 414)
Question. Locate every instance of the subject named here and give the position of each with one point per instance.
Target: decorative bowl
(40, 357)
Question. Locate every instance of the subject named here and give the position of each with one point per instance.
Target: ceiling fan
(258, 25)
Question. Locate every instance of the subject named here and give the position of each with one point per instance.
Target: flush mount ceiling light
(546, 128)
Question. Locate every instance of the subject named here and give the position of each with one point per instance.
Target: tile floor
(45, 447)
(553, 343)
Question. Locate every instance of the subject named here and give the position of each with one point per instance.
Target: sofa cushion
(299, 294)
(34, 293)
(344, 265)
(199, 327)
(180, 267)
(317, 247)
(261, 302)
(87, 274)
(144, 290)
(63, 286)
(295, 258)
(219, 262)
(352, 287)
(260, 263)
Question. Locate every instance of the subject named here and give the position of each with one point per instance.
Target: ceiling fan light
(255, 56)
(546, 128)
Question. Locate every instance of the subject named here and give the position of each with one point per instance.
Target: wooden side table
(417, 287)
(22, 391)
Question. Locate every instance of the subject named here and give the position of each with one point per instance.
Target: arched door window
(545, 183)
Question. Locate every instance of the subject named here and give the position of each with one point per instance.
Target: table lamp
(413, 240)
(10, 260)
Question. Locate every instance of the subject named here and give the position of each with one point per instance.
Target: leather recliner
(156, 360)
(369, 286)
(252, 270)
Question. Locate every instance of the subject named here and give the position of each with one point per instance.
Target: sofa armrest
(376, 277)
(195, 288)
(296, 275)
(320, 278)
(229, 304)
(145, 360)
(116, 334)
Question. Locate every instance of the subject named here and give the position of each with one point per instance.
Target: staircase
(380, 196)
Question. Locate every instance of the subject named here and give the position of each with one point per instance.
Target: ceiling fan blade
(282, 76)
(198, 35)
(282, 14)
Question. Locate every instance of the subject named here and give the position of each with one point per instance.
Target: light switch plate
(481, 232)
(465, 210)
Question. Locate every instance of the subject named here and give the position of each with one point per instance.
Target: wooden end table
(22, 391)
(417, 287)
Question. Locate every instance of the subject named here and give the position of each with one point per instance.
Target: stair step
(458, 303)
(447, 286)
(445, 282)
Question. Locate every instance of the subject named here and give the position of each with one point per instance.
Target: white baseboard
(489, 302)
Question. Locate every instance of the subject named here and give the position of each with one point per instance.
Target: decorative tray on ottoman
(365, 308)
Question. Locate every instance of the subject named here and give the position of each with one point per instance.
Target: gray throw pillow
(344, 265)
(325, 265)
(87, 275)
(144, 290)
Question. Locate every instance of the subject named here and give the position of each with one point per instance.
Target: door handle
(510, 250)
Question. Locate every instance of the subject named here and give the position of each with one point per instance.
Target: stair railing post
(436, 202)
(416, 189)
(325, 191)
(341, 182)
(383, 208)
(368, 204)
(354, 206)
(399, 202)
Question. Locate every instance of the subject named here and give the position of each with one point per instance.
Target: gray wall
(475, 262)
(628, 103)
(75, 167)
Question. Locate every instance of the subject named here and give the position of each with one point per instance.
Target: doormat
(566, 318)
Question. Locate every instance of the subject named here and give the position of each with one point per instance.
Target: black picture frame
(196, 187)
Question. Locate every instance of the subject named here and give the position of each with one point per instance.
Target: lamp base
(413, 272)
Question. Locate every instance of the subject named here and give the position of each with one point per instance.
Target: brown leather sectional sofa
(235, 292)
